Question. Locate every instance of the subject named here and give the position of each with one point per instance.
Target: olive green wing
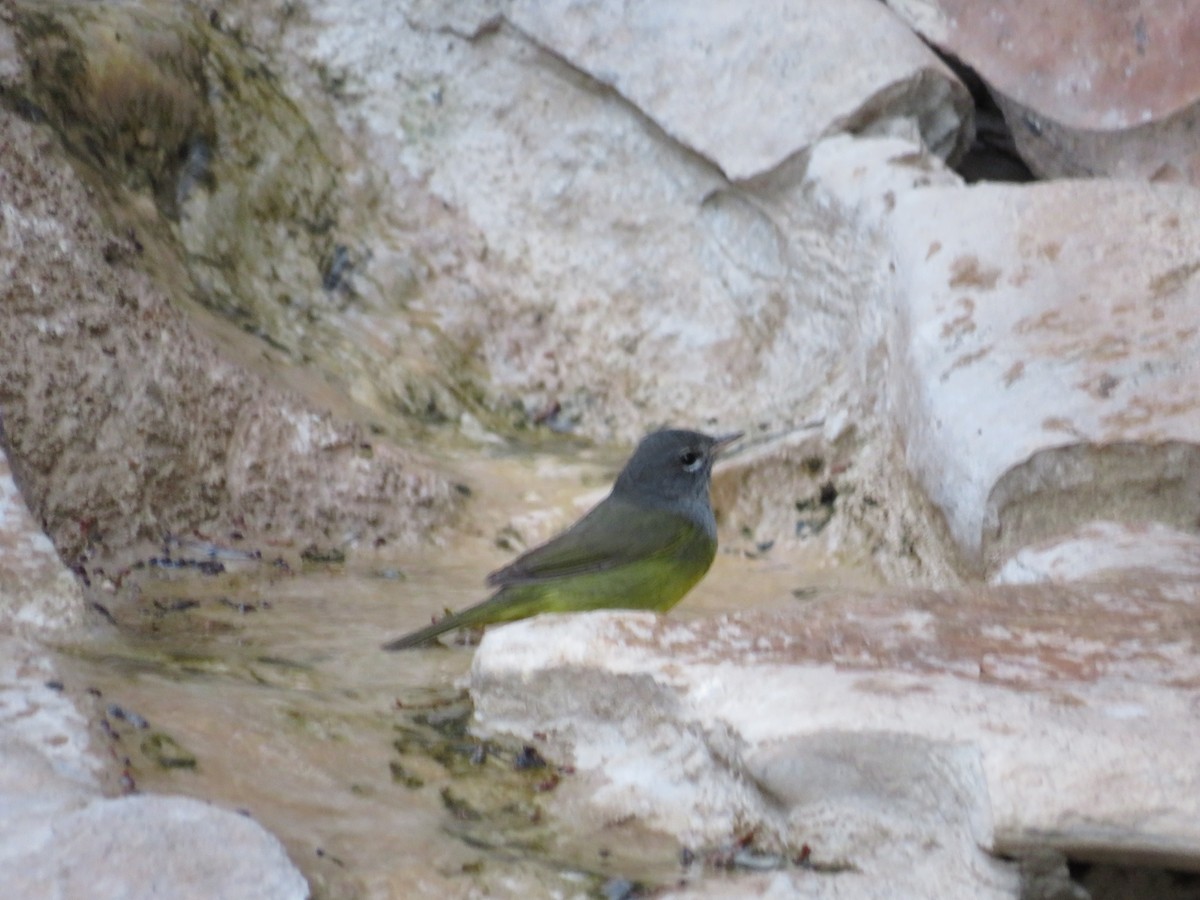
(615, 533)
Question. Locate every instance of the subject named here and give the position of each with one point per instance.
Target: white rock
(629, 283)
(41, 719)
(909, 735)
(38, 595)
(748, 86)
(860, 178)
(1107, 550)
(1044, 351)
(148, 847)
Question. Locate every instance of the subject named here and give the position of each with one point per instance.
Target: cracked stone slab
(1000, 718)
(1046, 352)
(1087, 89)
(748, 86)
(628, 281)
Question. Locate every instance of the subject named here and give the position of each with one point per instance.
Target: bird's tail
(426, 635)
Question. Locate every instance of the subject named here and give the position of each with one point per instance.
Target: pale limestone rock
(1108, 551)
(860, 178)
(620, 277)
(749, 86)
(1087, 89)
(853, 183)
(630, 284)
(38, 595)
(1001, 719)
(1044, 349)
(147, 847)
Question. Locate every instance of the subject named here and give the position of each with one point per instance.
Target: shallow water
(263, 689)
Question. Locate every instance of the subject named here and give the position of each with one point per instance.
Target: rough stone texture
(37, 593)
(616, 254)
(879, 511)
(339, 267)
(1045, 356)
(1159, 151)
(1004, 719)
(123, 421)
(1087, 89)
(627, 283)
(602, 218)
(749, 87)
(1109, 551)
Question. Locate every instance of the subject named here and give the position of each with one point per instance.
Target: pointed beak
(722, 442)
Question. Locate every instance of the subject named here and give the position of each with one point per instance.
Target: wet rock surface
(62, 836)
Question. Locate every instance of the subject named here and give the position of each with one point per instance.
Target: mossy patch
(126, 91)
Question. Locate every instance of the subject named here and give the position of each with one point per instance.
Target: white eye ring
(693, 463)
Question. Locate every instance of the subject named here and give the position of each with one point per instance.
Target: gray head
(671, 469)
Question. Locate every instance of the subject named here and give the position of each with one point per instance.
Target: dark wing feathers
(613, 534)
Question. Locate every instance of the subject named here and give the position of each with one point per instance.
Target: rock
(619, 279)
(880, 513)
(1087, 90)
(914, 736)
(46, 756)
(38, 595)
(124, 420)
(241, 189)
(1043, 372)
(60, 837)
(1109, 551)
(146, 846)
(750, 87)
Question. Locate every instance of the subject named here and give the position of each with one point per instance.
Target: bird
(644, 546)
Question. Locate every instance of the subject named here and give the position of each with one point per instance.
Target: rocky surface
(502, 219)
(1107, 551)
(40, 597)
(628, 280)
(1044, 360)
(61, 836)
(125, 420)
(1087, 89)
(981, 722)
(781, 75)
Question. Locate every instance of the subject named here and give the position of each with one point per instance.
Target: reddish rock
(1108, 88)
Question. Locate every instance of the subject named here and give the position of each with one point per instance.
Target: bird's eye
(690, 459)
